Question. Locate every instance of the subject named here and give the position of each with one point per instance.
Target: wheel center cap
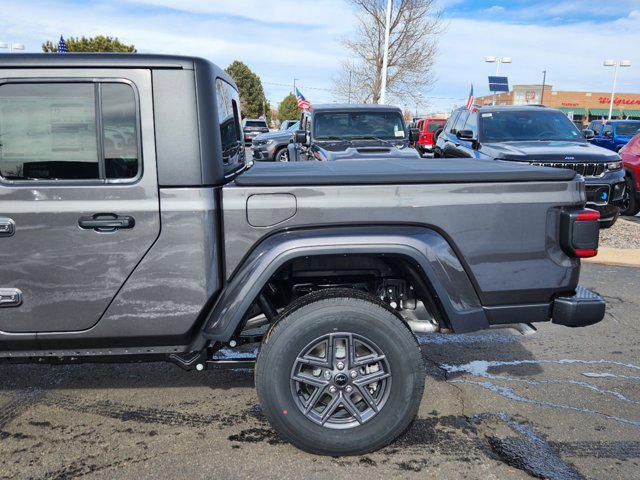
(341, 380)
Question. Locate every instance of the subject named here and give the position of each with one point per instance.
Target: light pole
(12, 46)
(497, 61)
(615, 64)
(385, 55)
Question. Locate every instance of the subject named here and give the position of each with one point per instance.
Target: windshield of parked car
(293, 126)
(523, 125)
(434, 125)
(358, 125)
(629, 129)
(255, 123)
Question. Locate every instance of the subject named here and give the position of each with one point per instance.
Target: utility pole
(544, 82)
(385, 56)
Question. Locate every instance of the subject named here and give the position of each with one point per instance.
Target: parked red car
(630, 154)
(428, 128)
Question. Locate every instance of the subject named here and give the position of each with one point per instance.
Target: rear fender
(438, 266)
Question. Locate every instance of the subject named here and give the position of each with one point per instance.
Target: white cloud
(284, 39)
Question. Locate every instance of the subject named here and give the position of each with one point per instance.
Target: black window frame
(102, 180)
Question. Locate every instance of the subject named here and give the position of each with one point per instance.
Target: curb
(627, 257)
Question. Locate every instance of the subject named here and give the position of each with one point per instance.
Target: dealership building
(581, 107)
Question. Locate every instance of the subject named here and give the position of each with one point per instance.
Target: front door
(77, 209)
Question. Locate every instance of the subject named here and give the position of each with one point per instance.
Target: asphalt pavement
(561, 404)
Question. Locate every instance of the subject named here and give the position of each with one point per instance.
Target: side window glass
(229, 118)
(48, 132)
(460, 121)
(121, 158)
(607, 129)
(472, 123)
(452, 120)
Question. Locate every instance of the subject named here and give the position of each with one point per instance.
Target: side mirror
(588, 134)
(414, 134)
(607, 134)
(465, 135)
(300, 137)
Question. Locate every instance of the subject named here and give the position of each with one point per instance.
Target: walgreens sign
(620, 101)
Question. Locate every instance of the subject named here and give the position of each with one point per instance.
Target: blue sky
(286, 39)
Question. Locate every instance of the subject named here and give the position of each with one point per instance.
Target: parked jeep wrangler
(132, 230)
(352, 132)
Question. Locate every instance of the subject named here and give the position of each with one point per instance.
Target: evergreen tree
(288, 108)
(253, 102)
(100, 43)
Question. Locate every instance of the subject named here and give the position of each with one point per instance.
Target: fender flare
(438, 265)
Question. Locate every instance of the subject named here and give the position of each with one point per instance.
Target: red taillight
(579, 232)
(586, 252)
(588, 216)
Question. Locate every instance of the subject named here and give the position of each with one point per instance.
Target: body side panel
(505, 234)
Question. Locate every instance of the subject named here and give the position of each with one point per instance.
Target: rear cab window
(229, 123)
(69, 131)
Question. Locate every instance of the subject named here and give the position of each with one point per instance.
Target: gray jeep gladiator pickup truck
(132, 230)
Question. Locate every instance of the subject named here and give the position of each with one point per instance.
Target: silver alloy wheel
(345, 397)
(283, 155)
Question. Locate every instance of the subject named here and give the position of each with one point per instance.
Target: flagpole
(385, 56)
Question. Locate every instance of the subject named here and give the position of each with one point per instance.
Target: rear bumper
(579, 310)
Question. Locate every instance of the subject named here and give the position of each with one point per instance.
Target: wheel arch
(428, 258)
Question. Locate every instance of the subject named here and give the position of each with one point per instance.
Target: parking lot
(562, 403)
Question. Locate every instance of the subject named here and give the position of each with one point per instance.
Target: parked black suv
(352, 131)
(540, 136)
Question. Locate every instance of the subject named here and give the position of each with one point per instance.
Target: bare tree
(415, 25)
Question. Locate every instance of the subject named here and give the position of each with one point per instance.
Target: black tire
(630, 204)
(281, 155)
(332, 314)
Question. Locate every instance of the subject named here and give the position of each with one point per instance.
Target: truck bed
(393, 172)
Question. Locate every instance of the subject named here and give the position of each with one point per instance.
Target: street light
(498, 61)
(12, 46)
(615, 64)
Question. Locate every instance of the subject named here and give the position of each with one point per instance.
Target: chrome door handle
(7, 227)
(10, 297)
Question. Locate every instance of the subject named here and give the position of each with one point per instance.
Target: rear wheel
(340, 374)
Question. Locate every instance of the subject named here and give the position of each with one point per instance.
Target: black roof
(351, 106)
(127, 60)
(110, 60)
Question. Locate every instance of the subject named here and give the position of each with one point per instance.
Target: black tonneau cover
(373, 172)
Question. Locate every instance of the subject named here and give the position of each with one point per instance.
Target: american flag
(62, 46)
(470, 100)
(303, 103)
